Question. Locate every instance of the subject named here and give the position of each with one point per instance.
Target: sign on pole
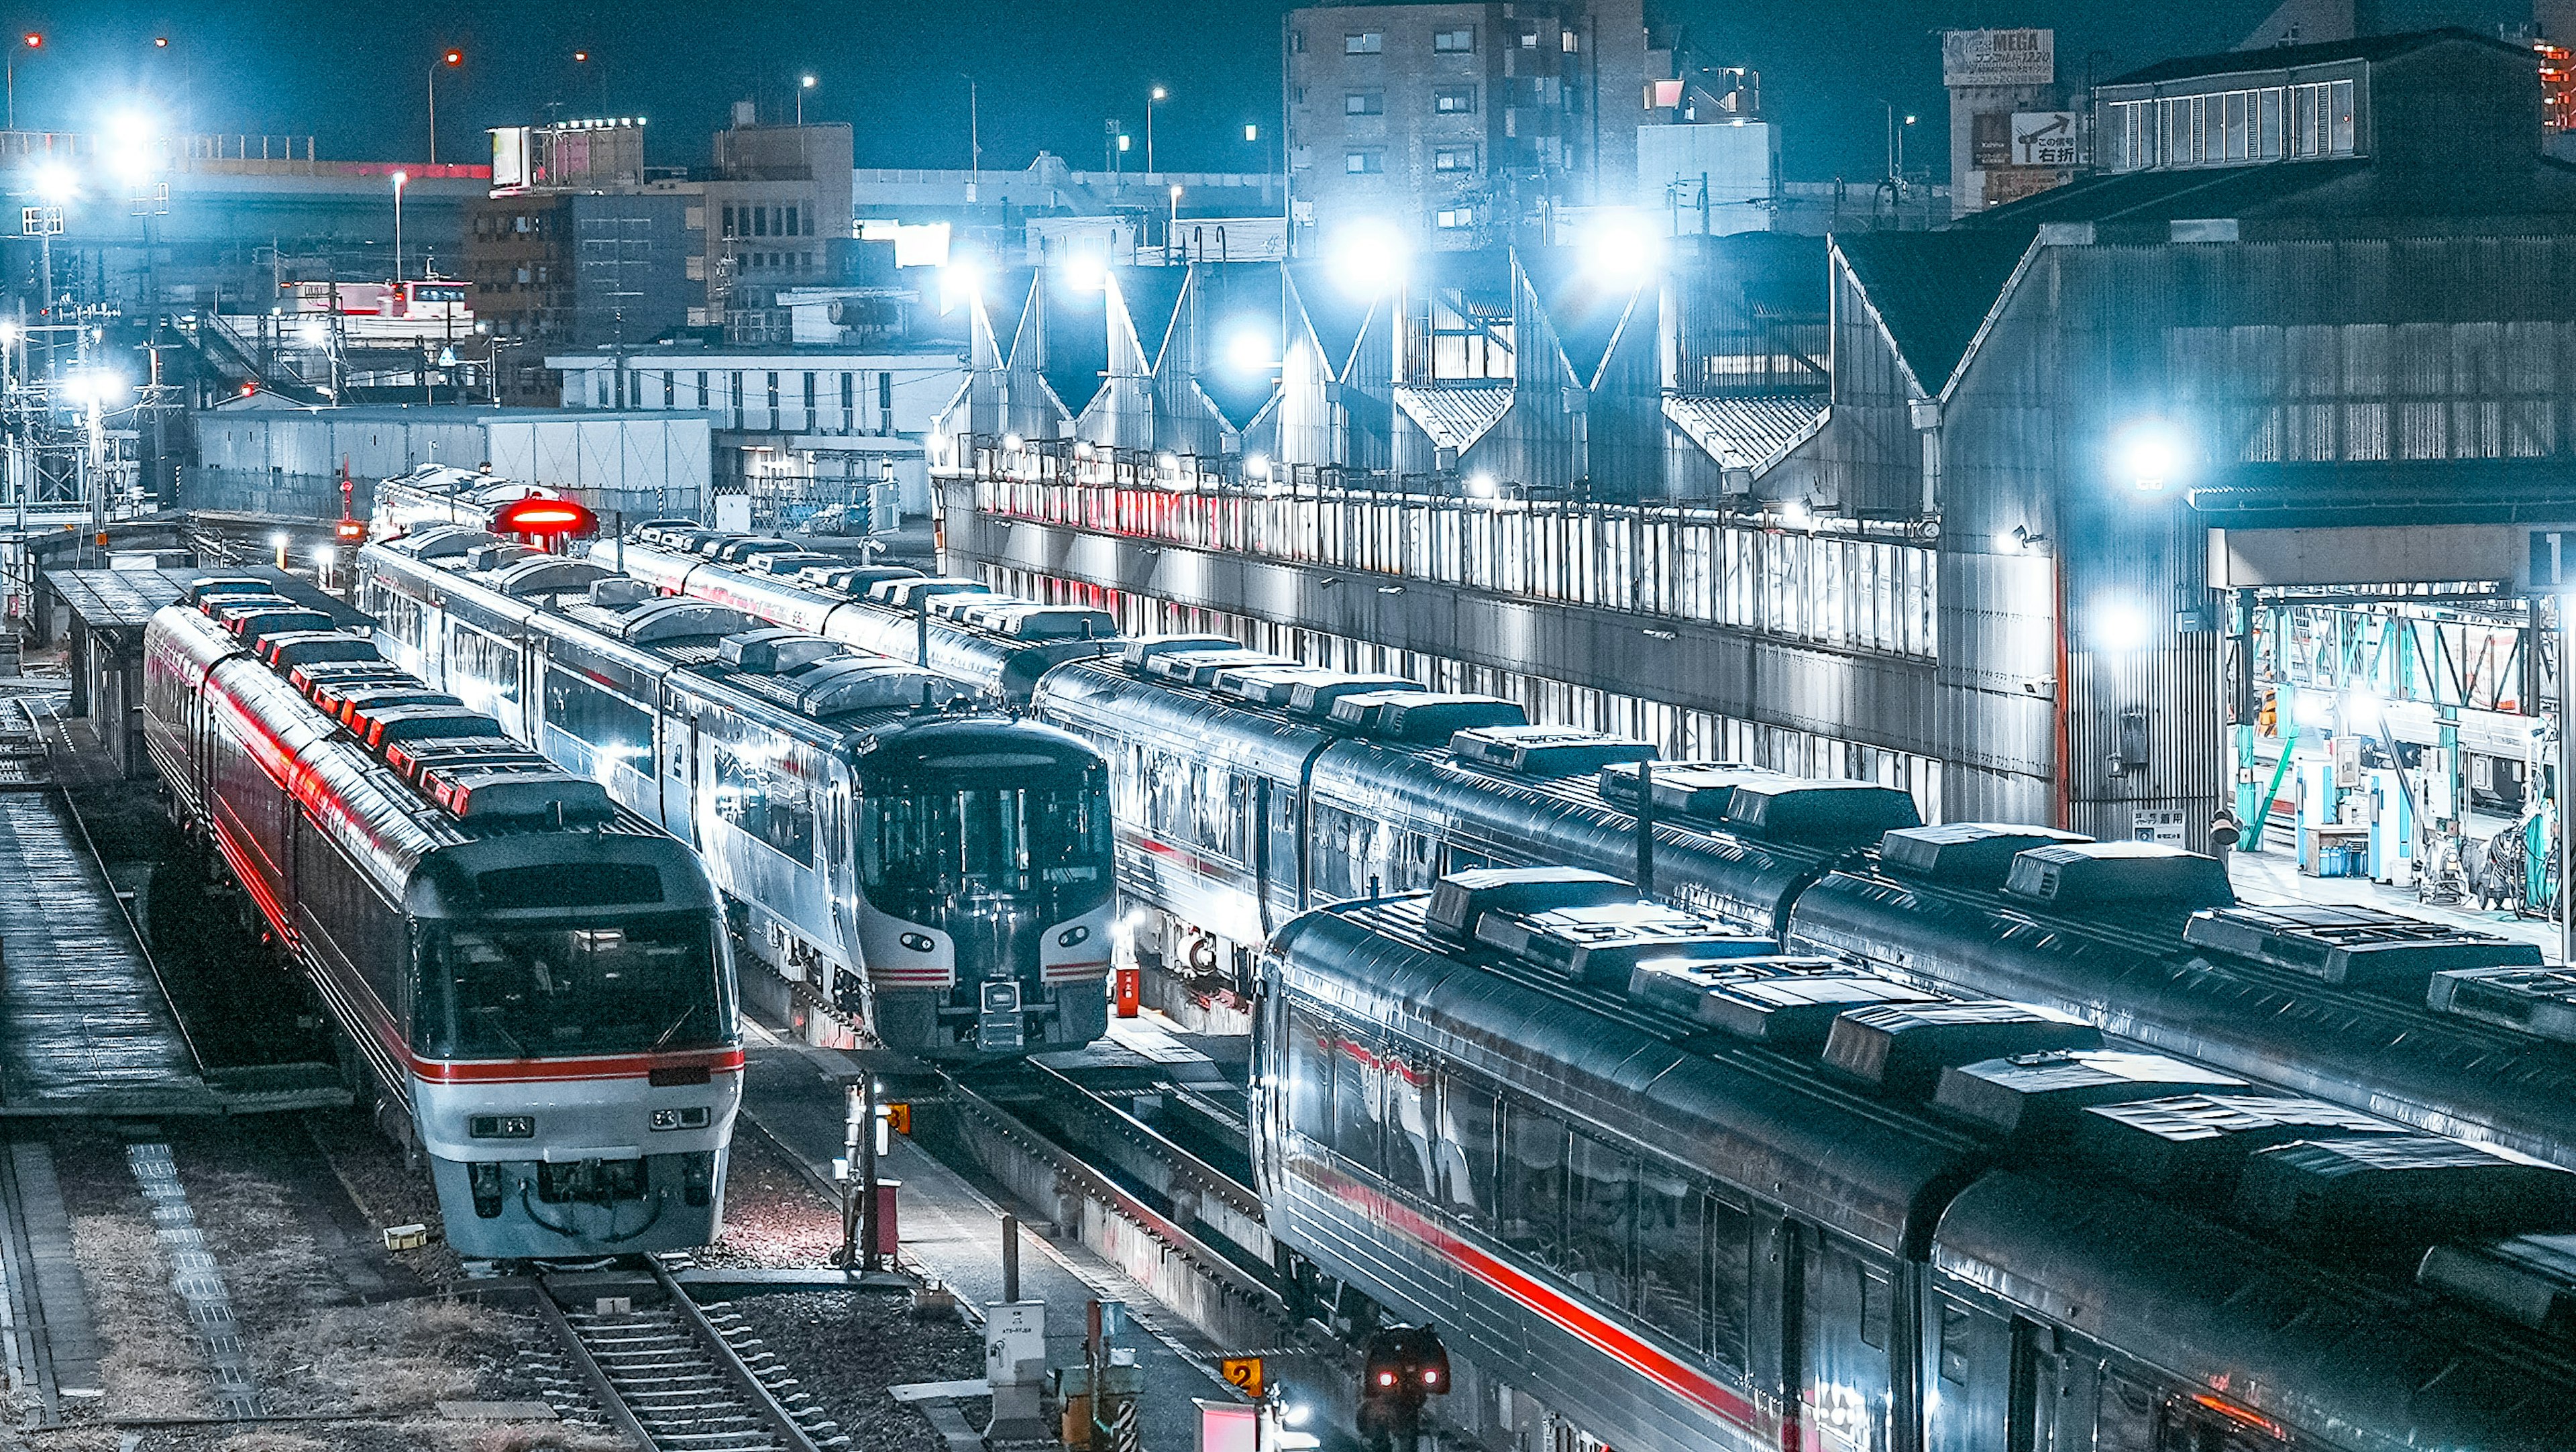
(1243, 1373)
(1998, 57)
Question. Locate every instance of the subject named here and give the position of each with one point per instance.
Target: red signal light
(350, 531)
(538, 516)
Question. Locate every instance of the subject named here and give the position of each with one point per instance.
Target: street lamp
(401, 179)
(1151, 97)
(583, 58)
(447, 60)
(803, 84)
(30, 41)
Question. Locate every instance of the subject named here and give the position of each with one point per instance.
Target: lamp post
(447, 60)
(401, 178)
(803, 84)
(30, 41)
(1151, 97)
(583, 58)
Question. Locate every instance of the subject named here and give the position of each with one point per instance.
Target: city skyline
(1047, 76)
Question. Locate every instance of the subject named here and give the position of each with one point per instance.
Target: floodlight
(2149, 454)
(1369, 257)
(1621, 250)
(1249, 350)
(2119, 626)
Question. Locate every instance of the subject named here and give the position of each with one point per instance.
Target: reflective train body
(539, 981)
(910, 863)
(1662, 1198)
(442, 494)
(2447, 1029)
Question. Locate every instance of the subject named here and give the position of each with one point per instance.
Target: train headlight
(1073, 937)
(501, 1126)
(692, 1117)
(917, 942)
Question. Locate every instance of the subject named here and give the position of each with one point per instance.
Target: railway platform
(951, 1230)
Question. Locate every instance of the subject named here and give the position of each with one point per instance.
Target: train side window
(1730, 1281)
(767, 804)
(1409, 1094)
(1532, 1184)
(1599, 1216)
(1356, 1102)
(1874, 1313)
(2127, 1411)
(1467, 1112)
(1672, 1255)
(1310, 1077)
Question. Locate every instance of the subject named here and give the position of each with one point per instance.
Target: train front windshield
(1045, 847)
(495, 989)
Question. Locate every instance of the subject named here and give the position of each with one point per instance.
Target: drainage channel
(197, 1279)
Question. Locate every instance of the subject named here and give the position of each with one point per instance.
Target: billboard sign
(1998, 57)
(510, 157)
(2043, 138)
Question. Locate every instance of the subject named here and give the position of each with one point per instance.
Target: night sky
(353, 74)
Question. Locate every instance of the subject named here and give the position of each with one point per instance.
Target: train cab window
(1410, 1093)
(1467, 1111)
(1310, 1077)
(1599, 1214)
(1672, 1254)
(516, 990)
(1531, 1186)
(1046, 848)
(1358, 1100)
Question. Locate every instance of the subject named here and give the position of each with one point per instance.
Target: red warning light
(350, 531)
(540, 516)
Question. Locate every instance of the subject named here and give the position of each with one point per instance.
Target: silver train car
(537, 981)
(1662, 1190)
(2447, 1029)
(1001, 644)
(442, 494)
(932, 873)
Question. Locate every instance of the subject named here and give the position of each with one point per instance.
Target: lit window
(1452, 218)
(1566, 39)
(1455, 101)
(1364, 42)
(1359, 162)
(1363, 103)
(1529, 41)
(1454, 159)
(1453, 42)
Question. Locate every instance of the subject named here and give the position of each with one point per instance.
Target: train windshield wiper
(674, 1028)
(492, 1021)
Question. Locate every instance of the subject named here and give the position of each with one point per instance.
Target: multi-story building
(778, 216)
(1460, 123)
(555, 269)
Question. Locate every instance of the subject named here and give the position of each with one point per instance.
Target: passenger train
(537, 980)
(442, 494)
(1663, 1189)
(937, 872)
(1368, 785)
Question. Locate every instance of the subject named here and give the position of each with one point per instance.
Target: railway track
(675, 1376)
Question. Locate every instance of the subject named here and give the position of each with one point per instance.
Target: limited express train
(935, 872)
(442, 494)
(536, 981)
(1663, 1189)
(1250, 788)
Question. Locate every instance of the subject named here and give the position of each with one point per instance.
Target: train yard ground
(194, 1206)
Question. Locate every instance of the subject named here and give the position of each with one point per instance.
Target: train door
(1852, 1340)
(1777, 1311)
(678, 775)
(2051, 1408)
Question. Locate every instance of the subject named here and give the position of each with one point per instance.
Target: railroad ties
(675, 1375)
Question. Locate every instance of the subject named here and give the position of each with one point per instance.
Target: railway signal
(1402, 1366)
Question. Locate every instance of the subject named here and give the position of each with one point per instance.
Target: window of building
(1454, 158)
(1567, 40)
(849, 392)
(728, 221)
(809, 393)
(737, 391)
(702, 388)
(1529, 40)
(670, 390)
(599, 387)
(885, 392)
(1296, 42)
(1364, 42)
(1454, 100)
(1364, 162)
(773, 392)
(1452, 218)
(1453, 42)
(1363, 103)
